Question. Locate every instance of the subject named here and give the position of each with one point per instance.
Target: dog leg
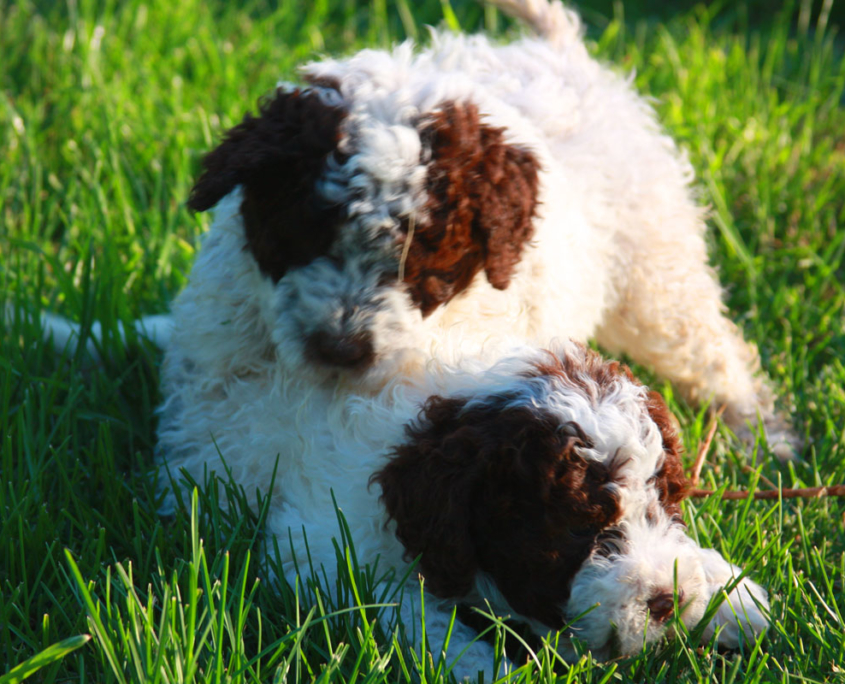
(669, 315)
(310, 542)
(66, 334)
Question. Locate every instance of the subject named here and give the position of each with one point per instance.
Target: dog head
(554, 494)
(368, 216)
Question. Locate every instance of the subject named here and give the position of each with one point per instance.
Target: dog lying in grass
(546, 486)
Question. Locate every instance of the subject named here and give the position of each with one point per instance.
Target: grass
(105, 109)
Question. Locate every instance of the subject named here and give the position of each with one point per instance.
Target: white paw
(782, 441)
(742, 615)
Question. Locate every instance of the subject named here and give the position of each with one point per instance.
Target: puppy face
(369, 217)
(554, 494)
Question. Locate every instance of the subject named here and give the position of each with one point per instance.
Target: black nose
(344, 351)
(662, 605)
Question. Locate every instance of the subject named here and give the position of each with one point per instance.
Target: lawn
(105, 110)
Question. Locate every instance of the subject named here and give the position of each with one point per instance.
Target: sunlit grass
(105, 109)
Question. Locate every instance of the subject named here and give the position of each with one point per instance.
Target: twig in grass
(705, 447)
(799, 493)
(765, 480)
(764, 494)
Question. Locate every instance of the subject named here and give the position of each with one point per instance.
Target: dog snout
(343, 351)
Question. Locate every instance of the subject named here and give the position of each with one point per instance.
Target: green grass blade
(49, 655)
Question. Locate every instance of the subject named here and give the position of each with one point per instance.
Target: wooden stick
(705, 447)
(805, 493)
(765, 480)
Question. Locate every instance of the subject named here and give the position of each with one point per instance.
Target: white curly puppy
(544, 485)
(408, 206)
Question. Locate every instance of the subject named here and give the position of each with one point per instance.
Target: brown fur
(501, 490)
(277, 157)
(594, 372)
(671, 482)
(482, 198)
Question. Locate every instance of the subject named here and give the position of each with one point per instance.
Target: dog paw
(781, 439)
(742, 616)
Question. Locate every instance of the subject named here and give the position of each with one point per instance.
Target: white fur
(618, 255)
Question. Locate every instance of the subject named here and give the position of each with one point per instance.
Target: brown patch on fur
(589, 373)
(323, 81)
(277, 157)
(482, 198)
(671, 482)
(501, 490)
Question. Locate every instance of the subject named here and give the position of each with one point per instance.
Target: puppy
(548, 484)
(411, 205)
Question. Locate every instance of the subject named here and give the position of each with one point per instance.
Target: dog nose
(345, 351)
(662, 604)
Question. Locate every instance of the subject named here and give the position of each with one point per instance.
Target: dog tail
(66, 335)
(548, 18)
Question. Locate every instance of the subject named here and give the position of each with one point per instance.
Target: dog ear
(498, 487)
(427, 488)
(507, 201)
(482, 197)
(277, 158)
(672, 484)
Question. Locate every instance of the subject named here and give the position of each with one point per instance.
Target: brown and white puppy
(407, 206)
(547, 484)
(558, 495)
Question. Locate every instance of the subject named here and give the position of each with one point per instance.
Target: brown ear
(670, 479)
(482, 199)
(498, 488)
(277, 158)
(427, 489)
